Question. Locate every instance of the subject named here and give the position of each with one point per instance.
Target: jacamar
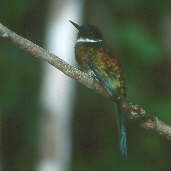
(93, 56)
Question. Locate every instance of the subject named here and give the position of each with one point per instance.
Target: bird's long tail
(121, 128)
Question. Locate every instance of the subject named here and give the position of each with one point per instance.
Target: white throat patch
(88, 40)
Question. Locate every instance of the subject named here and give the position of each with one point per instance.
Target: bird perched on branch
(93, 56)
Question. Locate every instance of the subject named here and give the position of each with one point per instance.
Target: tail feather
(121, 129)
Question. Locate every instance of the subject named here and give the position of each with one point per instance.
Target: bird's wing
(107, 78)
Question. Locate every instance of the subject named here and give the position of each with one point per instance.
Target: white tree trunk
(57, 89)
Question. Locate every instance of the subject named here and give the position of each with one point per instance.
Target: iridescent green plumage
(97, 57)
(93, 55)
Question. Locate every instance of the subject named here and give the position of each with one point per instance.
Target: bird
(95, 57)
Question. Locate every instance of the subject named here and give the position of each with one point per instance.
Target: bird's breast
(85, 52)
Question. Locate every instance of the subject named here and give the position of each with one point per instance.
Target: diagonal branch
(133, 111)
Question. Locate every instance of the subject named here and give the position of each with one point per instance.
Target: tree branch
(133, 111)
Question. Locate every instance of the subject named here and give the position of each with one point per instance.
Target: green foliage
(140, 42)
(19, 88)
(134, 30)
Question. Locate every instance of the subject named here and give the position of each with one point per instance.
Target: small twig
(133, 111)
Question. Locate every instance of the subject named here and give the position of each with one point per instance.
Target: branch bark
(133, 111)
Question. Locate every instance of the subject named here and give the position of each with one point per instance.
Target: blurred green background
(138, 33)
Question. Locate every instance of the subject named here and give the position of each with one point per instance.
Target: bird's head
(88, 33)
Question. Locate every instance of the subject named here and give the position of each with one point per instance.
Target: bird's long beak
(75, 25)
